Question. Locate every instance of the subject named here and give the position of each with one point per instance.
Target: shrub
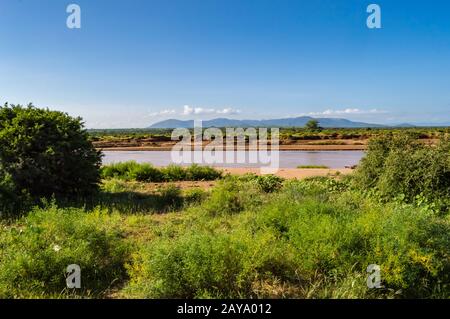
(198, 173)
(115, 185)
(301, 243)
(174, 173)
(36, 251)
(192, 266)
(412, 249)
(195, 195)
(147, 173)
(208, 266)
(269, 183)
(313, 166)
(345, 233)
(313, 125)
(119, 170)
(171, 196)
(400, 166)
(232, 196)
(45, 152)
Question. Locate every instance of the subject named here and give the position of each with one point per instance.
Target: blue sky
(135, 62)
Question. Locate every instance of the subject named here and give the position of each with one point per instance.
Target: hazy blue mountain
(425, 124)
(287, 122)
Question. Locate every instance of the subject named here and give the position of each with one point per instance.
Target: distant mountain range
(287, 122)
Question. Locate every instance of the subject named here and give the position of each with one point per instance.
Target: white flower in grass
(56, 248)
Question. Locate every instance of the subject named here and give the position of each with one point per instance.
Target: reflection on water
(288, 159)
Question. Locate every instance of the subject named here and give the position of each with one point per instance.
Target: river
(287, 159)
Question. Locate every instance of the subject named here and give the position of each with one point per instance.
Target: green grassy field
(294, 239)
(246, 237)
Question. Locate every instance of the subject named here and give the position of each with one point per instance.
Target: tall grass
(402, 168)
(310, 239)
(37, 249)
(248, 237)
(312, 166)
(147, 173)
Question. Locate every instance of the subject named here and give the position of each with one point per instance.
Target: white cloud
(191, 112)
(348, 111)
(188, 110)
(228, 111)
(162, 113)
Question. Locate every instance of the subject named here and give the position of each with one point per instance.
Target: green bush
(121, 170)
(116, 185)
(342, 235)
(265, 183)
(171, 196)
(312, 238)
(305, 242)
(44, 153)
(207, 266)
(195, 195)
(412, 248)
(269, 183)
(232, 196)
(174, 173)
(198, 173)
(399, 166)
(147, 173)
(35, 252)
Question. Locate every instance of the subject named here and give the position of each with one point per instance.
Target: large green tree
(45, 153)
(313, 125)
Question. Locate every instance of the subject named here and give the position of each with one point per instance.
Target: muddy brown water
(287, 159)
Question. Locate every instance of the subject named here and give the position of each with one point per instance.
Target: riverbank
(289, 173)
(297, 147)
(286, 173)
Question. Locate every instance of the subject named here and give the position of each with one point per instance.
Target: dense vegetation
(322, 235)
(325, 136)
(249, 236)
(147, 173)
(401, 167)
(321, 238)
(43, 153)
(312, 166)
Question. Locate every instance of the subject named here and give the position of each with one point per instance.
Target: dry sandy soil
(303, 145)
(290, 173)
(297, 147)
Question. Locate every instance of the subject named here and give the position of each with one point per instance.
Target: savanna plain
(139, 231)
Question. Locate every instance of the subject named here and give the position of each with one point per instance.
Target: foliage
(321, 241)
(323, 136)
(171, 196)
(248, 237)
(312, 166)
(133, 197)
(269, 183)
(312, 238)
(36, 251)
(132, 171)
(231, 196)
(313, 125)
(44, 153)
(401, 167)
(205, 266)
